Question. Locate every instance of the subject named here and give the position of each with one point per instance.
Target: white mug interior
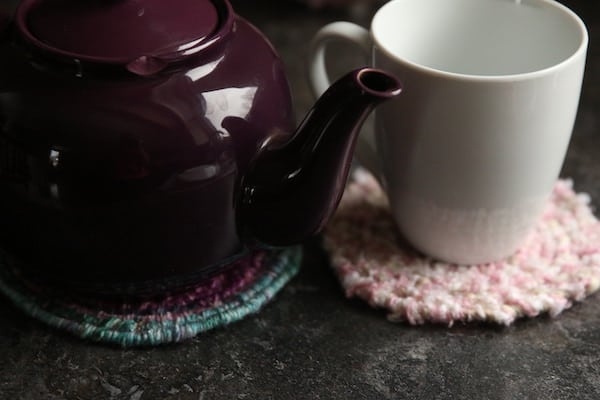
(479, 37)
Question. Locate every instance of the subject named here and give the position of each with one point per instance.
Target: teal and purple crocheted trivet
(229, 296)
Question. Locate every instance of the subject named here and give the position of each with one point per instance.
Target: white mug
(469, 152)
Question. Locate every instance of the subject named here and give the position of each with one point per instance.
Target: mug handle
(319, 78)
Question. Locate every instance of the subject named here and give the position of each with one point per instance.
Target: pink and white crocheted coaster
(559, 263)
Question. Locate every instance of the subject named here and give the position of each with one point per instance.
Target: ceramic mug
(469, 153)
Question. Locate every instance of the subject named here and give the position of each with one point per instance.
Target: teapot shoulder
(238, 92)
(245, 90)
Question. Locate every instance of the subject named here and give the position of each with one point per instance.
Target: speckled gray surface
(312, 343)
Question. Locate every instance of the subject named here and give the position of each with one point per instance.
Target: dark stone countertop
(311, 342)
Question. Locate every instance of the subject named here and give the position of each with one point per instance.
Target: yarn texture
(558, 264)
(240, 290)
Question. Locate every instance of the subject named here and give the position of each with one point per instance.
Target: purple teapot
(153, 141)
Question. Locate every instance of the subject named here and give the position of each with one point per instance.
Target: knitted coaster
(558, 263)
(241, 289)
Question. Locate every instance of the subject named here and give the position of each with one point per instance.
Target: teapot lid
(126, 32)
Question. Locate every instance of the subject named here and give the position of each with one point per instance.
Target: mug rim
(581, 50)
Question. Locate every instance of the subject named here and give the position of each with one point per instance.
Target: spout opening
(378, 83)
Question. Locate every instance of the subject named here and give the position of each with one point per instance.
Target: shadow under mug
(469, 152)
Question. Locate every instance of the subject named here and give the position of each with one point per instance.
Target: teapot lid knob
(121, 31)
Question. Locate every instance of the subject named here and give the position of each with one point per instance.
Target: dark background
(313, 343)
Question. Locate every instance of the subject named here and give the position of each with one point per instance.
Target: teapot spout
(294, 187)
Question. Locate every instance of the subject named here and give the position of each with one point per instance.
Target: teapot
(153, 141)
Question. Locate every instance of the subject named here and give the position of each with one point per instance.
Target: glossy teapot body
(110, 175)
(156, 153)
